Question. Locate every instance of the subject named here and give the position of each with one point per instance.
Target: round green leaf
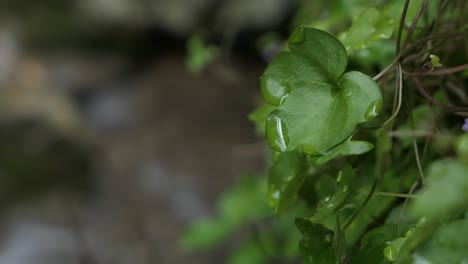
(318, 107)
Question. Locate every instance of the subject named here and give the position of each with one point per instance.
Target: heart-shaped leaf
(318, 107)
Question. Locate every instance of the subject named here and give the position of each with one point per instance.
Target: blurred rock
(9, 49)
(185, 16)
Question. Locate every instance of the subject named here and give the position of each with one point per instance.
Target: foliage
(377, 165)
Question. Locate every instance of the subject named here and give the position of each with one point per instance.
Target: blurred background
(122, 121)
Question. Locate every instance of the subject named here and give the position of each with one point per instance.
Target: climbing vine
(367, 135)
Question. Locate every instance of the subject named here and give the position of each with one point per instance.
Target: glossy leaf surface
(316, 245)
(285, 178)
(318, 104)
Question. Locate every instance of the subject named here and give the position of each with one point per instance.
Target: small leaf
(367, 28)
(318, 107)
(374, 243)
(330, 205)
(435, 61)
(316, 245)
(285, 179)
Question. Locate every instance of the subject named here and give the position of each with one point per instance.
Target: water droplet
(276, 133)
(409, 232)
(274, 196)
(390, 253)
(274, 92)
(298, 36)
(373, 110)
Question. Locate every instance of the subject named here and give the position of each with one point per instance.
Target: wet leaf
(373, 244)
(347, 148)
(318, 106)
(316, 245)
(285, 179)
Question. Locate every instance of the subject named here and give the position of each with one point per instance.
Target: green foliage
(377, 165)
(318, 106)
(367, 28)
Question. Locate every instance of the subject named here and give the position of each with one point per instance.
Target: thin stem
(398, 95)
(388, 68)
(441, 71)
(412, 46)
(398, 195)
(403, 207)
(416, 151)
(358, 211)
(426, 95)
(402, 25)
(413, 25)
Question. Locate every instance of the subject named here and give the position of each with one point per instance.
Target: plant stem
(441, 71)
(413, 25)
(426, 95)
(401, 26)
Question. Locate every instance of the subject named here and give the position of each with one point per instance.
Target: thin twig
(402, 25)
(398, 95)
(403, 207)
(416, 151)
(413, 25)
(440, 72)
(366, 201)
(431, 99)
(390, 194)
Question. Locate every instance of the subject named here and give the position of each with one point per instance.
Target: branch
(441, 71)
(431, 99)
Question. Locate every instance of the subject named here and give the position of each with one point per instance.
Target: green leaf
(449, 244)
(329, 205)
(318, 107)
(446, 192)
(373, 244)
(347, 148)
(316, 245)
(367, 28)
(285, 179)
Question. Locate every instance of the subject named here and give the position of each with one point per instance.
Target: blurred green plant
(199, 54)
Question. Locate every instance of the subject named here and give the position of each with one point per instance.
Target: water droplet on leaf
(298, 36)
(373, 110)
(276, 133)
(274, 92)
(390, 253)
